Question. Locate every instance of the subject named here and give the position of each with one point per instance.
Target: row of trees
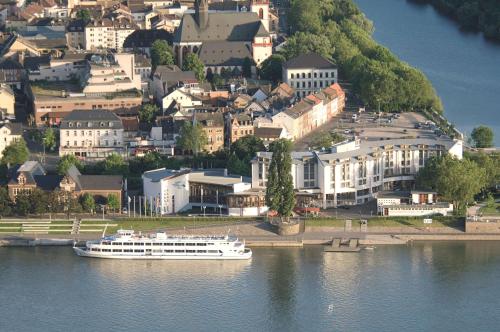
(339, 31)
(482, 15)
(461, 181)
(39, 202)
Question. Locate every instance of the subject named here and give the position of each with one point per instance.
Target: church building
(223, 39)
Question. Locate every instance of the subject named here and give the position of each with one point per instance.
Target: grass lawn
(455, 222)
(150, 224)
(491, 209)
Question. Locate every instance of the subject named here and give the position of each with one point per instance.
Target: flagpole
(140, 207)
(134, 206)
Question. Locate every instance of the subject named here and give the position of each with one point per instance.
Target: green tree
(114, 164)
(39, 202)
(326, 140)
(84, 14)
(22, 205)
(482, 137)
(113, 203)
(66, 162)
(271, 68)
(161, 53)
(193, 63)
(49, 139)
(5, 202)
(455, 180)
(247, 67)
(148, 112)
(192, 137)
(280, 195)
(237, 166)
(15, 153)
(246, 147)
(88, 203)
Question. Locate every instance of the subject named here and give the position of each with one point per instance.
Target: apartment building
(309, 73)
(108, 33)
(91, 134)
(353, 172)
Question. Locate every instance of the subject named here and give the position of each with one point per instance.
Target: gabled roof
(144, 38)
(224, 53)
(101, 182)
(309, 60)
(91, 119)
(243, 26)
(267, 132)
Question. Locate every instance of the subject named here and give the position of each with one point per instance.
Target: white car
(347, 131)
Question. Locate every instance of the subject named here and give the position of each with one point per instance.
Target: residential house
(240, 125)
(91, 134)
(270, 134)
(180, 98)
(7, 101)
(168, 78)
(31, 175)
(309, 73)
(309, 113)
(213, 125)
(9, 133)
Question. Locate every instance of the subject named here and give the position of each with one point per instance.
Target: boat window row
(168, 251)
(177, 244)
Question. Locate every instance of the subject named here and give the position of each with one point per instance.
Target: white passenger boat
(127, 245)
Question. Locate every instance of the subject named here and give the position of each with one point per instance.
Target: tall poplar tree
(280, 195)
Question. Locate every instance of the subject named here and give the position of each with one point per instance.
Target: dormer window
(78, 124)
(89, 124)
(111, 124)
(70, 124)
(102, 124)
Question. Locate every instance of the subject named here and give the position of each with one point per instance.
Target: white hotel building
(353, 172)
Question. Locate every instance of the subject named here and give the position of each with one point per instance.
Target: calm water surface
(442, 287)
(463, 67)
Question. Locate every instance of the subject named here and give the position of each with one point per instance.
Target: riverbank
(259, 236)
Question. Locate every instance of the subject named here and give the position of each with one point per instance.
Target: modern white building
(353, 172)
(309, 73)
(91, 134)
(173, 191)
(411, 204)
(111, 73)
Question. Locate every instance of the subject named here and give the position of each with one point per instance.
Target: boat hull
(84, 253)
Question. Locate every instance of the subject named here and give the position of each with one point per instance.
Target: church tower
(201, 13)
(261, 8)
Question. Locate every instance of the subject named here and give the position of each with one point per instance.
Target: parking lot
(369, 126)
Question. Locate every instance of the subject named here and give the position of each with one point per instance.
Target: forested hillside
(338, 30)
(482, 15)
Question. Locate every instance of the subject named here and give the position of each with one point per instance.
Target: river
(463, 67)
(424, 287)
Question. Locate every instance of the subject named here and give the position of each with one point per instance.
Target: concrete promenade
(260, 235)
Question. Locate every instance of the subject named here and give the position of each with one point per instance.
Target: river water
(424, 287)
(463, 67)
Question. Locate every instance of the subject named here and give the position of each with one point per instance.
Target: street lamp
(102, 207)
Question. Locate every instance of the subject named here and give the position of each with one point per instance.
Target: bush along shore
(475, 15)
(339, 31)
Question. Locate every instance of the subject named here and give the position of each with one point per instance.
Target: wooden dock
(343, 245)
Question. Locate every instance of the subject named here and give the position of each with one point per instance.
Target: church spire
(201, 13)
